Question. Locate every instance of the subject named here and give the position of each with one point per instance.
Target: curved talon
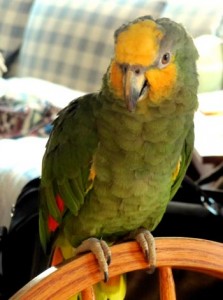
(147, 243)
(106, 250)
(101, 251)
(106, 276)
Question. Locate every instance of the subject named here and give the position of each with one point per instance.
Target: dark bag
(21, 253)
(196, 211)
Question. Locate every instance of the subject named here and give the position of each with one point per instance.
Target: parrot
(115, 158)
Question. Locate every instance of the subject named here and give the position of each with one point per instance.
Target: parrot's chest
(133, 178)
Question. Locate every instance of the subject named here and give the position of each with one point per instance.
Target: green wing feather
(67, 161)
(186, 155)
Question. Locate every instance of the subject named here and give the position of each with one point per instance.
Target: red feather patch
(52, 223)
(60, 203)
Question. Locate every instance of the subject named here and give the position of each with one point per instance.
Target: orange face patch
(116, 78)
(161, 82)
(139, 44)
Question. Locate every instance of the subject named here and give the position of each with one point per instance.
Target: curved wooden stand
(78, 274)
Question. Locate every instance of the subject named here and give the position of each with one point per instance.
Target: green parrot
(115, 158)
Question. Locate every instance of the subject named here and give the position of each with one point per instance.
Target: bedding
(27, 108)
(20, 162)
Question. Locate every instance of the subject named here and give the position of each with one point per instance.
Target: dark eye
(165, 58)
(137, 71)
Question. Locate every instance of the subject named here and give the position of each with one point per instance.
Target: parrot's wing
(184, 162)
(67, 164)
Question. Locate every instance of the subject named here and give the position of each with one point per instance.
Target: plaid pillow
(13, 18)
(199, 17)
(71, 42)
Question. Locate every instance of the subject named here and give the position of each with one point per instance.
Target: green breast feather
(133, 160)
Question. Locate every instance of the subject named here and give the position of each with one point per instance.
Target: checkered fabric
(71, 42)
(13, 18)
(199, 17)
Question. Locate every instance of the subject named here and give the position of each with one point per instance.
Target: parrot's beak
(135, 85)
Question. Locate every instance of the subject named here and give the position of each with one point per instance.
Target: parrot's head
(154, 62)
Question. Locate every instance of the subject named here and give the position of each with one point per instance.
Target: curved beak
(135, 85)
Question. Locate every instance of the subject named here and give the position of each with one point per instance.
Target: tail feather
(114, 289)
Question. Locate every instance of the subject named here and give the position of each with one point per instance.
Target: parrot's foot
(147, 243)
(101, 251)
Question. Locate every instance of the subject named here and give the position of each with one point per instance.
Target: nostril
(124, 68)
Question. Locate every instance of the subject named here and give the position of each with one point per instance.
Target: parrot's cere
(115, 158)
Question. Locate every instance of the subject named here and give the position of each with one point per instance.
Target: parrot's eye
(137, 71)
(165, 59)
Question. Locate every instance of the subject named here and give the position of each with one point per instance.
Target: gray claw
(101, 251)
(151, 269)
(147, 244)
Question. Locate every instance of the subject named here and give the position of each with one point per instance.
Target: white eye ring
(165, 59)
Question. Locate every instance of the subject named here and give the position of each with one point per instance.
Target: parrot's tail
(114, 289)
